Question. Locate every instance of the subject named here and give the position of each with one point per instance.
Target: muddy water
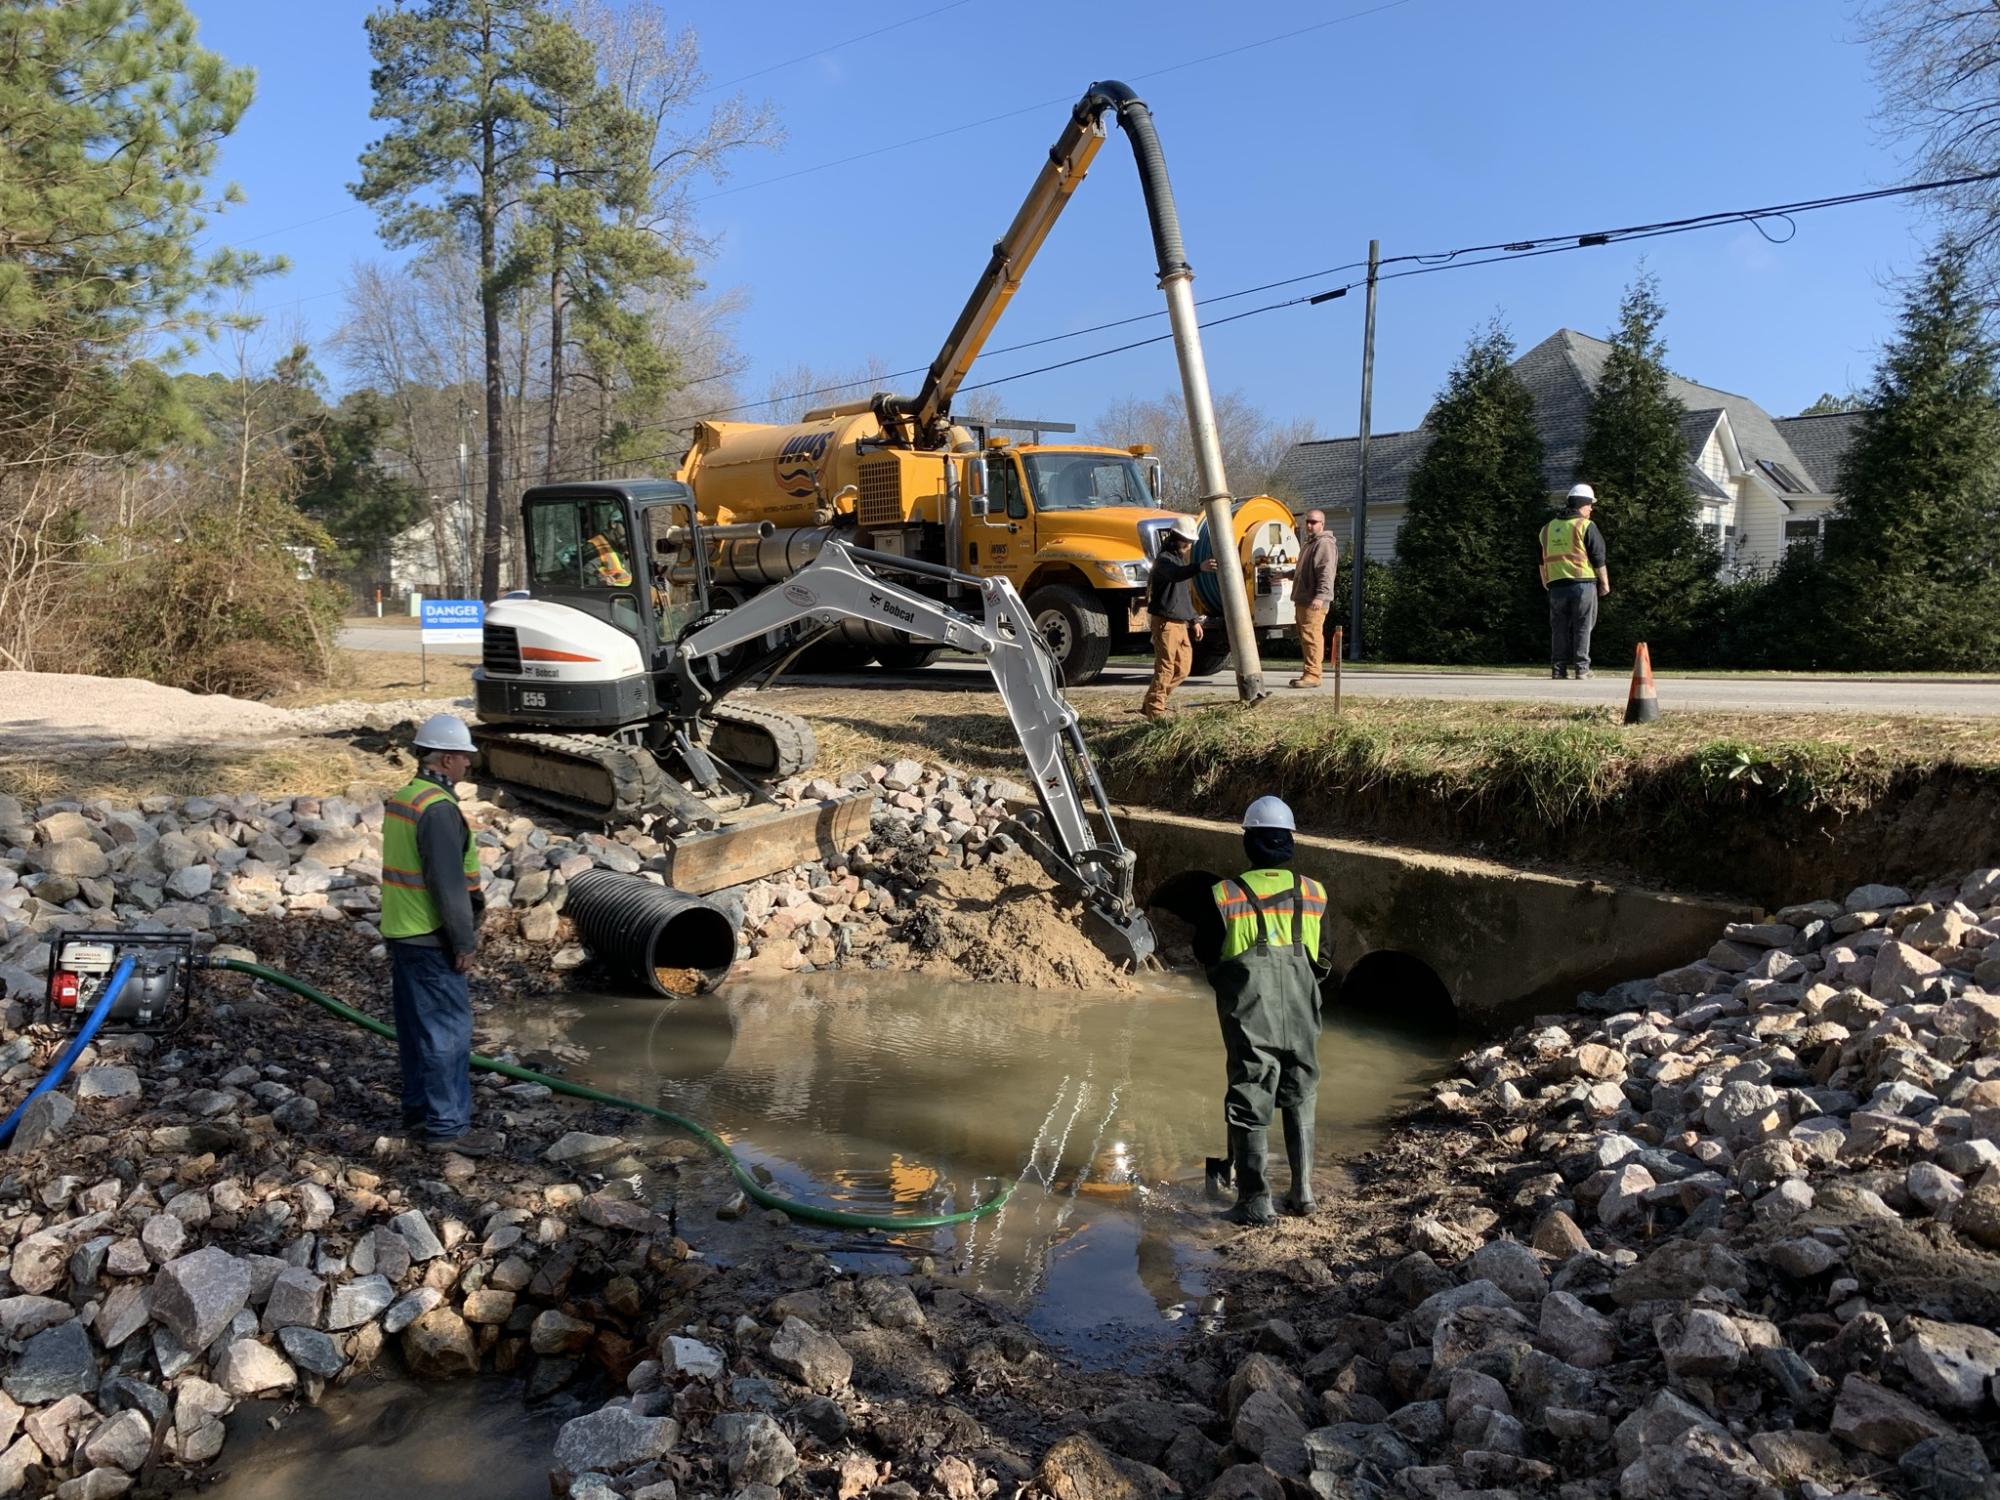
(392, 1438)
(890, 1093)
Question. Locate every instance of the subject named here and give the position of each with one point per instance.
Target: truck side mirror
(976, 486)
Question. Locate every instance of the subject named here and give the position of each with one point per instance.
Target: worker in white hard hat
(431, 904)
(1575, 575)
(1264, 947)
(1170, 607)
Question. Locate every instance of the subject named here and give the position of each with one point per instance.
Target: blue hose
(112, 989)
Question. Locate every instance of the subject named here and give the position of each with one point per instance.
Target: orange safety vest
(610, 566)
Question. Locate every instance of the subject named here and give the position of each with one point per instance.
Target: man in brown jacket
(1312, 594)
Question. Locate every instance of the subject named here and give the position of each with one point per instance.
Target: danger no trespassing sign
(453, 622)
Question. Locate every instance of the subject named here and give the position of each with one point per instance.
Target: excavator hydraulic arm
(1083, 846)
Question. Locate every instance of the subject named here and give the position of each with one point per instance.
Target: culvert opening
(1391, 985)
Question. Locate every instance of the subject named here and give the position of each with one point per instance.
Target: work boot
(1560, 674)
(468, 1143)
(1253, 1192)
(1299, 1152)
(1219, 1171)
(1583, 674)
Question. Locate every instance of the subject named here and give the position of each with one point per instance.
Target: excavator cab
(627, 554)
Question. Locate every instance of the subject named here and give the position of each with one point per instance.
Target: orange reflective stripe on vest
(1564, 554)
(610, 566)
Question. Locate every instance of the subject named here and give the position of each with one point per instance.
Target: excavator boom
(1083, 846)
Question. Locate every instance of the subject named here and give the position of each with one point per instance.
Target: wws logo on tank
(798, 462)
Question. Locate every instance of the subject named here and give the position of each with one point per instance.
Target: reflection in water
(395, 1438)
(881, 1091)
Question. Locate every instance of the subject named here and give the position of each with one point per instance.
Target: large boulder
(613, 1439)
(439, 1346)
(811, 1357)
(756, 1449)
(197, 1295)
(1877, 1420)
(55, 1363)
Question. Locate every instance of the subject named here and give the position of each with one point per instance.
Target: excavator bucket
(1127, 938)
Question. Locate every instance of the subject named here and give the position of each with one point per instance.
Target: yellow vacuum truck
(1074, 528)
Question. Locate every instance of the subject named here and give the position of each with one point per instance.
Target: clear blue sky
(1431, 124)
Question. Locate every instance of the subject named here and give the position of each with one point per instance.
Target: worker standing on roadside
(1312, 594)
(1263, 945)
(431, 904)
(1576, 577)
(1170, 606)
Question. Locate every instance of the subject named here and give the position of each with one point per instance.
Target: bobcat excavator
(602, 691)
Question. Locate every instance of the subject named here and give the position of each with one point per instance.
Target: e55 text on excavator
(1073, 528)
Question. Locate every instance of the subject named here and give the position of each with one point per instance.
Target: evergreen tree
(1662, 567)
(456, 80)
(584, 236)
(1462, 590)
(1913, 555)
(112, 118)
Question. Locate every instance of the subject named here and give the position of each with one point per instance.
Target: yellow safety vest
(1273, 890)
(1563, 553)
(610, 566)
(407, 908)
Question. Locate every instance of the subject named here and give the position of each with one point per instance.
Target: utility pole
(465, 518)
(1359, 553)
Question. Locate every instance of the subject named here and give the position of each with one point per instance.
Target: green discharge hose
(752, 1188)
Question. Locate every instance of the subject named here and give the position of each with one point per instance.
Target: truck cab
(1075, 529)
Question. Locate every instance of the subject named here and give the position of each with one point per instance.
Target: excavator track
(585, 775)
(764, 743)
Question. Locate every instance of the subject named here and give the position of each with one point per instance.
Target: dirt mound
(71, 710)
(1005, 923)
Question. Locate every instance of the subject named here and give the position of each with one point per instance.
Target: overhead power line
(1423, 264)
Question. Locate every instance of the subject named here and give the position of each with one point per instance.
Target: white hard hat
(1186, 527)
(1582, 494)
(445, 732)
(1270, 812)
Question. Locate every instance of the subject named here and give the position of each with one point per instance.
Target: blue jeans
(1572, 615)
(434, 1037)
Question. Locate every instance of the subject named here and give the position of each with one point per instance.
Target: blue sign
(453, 622)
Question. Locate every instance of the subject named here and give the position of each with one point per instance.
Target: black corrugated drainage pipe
(637, 928)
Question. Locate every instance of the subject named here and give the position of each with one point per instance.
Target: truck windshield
(1086, 481)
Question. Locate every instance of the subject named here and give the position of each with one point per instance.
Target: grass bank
(1761, 806)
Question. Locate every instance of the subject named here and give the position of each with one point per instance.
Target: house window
(1803, 534)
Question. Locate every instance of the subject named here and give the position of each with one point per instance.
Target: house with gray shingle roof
(1764, 483)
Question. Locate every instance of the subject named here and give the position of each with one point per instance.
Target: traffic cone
(1642, 704)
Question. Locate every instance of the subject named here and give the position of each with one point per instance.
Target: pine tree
(456, 80)
(1463, 590)
(112, 118)
(1913, 554)
(1662, 567)
(584, 238)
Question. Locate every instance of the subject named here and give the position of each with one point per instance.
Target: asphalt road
(1978, 696)
(395, 638)
(1909, 695)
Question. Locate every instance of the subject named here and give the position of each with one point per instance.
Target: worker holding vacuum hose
(1263, 941)
(431, 904)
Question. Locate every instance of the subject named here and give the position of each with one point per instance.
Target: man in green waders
(1262, 942)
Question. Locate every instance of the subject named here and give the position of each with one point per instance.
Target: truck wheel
(1211, 651)
(1077, 628)
(911, 658)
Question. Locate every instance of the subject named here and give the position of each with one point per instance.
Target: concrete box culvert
(1504, 942)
